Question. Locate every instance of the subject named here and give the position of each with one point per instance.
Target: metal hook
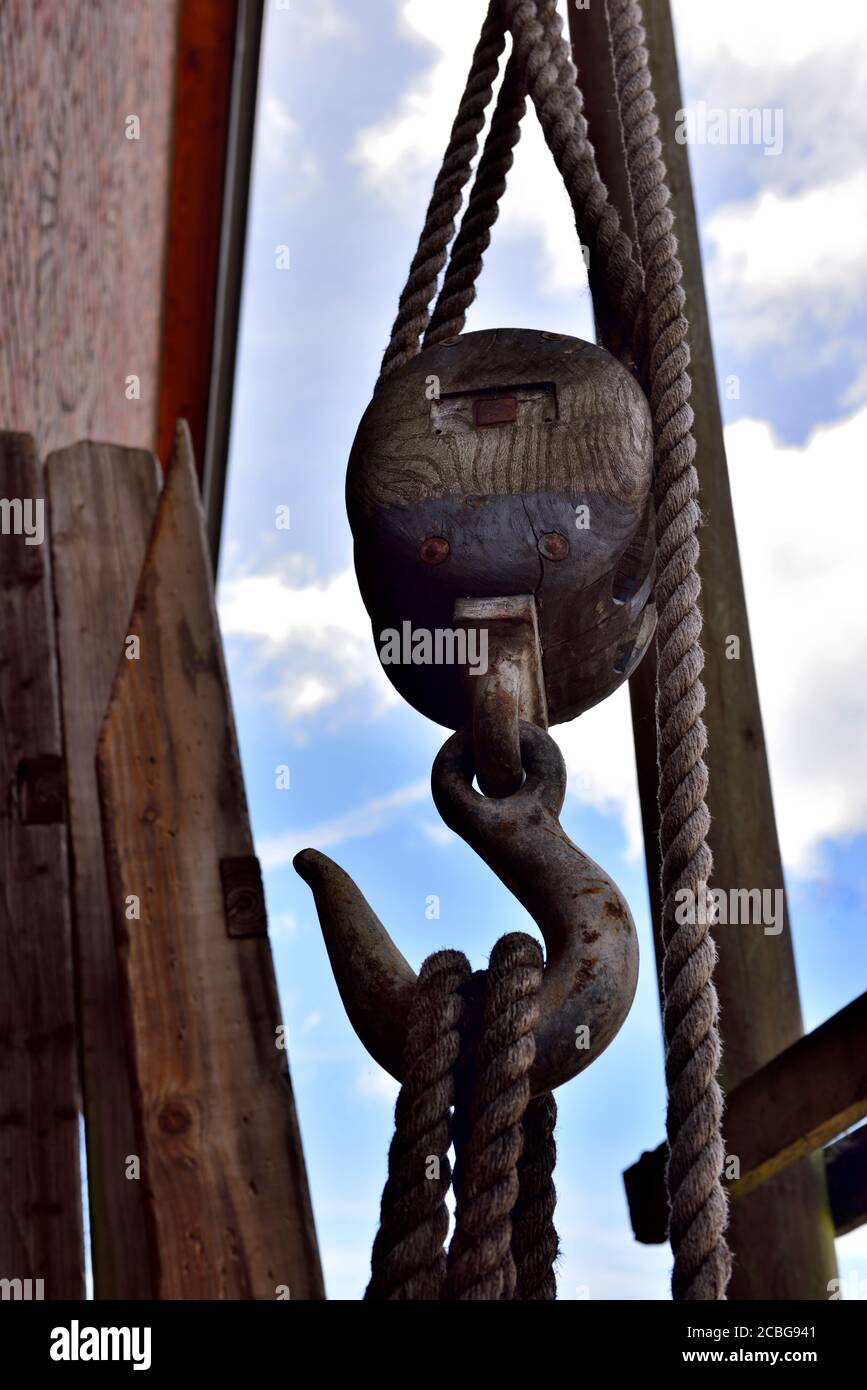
(591, 947)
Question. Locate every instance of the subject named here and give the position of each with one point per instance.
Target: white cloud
(376, 1084)
(399, 155)
(436, 832)
(367, 819)
(283, 926)
(315, 637)
(779, 260)
(775, 55)
(771, 37)
(793, 252)
(799, 514)
(310, 21)
(856, 392)
(279, 142)
(600, 760)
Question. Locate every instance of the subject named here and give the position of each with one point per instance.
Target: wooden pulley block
(505, 462)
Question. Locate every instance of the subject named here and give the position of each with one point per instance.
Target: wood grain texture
(594, 437)
(40, 1181)
(103, 499)
(801, 1099)
(228, 1204)
(82, 215)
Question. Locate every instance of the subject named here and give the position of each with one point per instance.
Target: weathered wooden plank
(83, 215)
(845, 1172)
(103, 499)
(40, 1180)
(221, 1152)
(782, 1238)
(805, 1097)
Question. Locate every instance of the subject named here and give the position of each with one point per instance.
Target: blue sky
(355, 105)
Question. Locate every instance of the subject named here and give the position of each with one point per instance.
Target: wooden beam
(103, 499)
(782, 1237)
(205, 55)
(802, 1099)
(794, 1106)
(221, 1152)
(40, 1179)
(845, 1172)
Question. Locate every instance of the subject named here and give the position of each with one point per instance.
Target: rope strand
(465, 262)
(551, 81)
(702, 1261)
(481, 1265)
(534, 1239)
(439, 225)
(408, 1260)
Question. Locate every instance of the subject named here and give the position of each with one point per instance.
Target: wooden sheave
(196, 1174)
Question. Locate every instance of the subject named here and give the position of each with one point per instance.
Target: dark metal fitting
(511, 687)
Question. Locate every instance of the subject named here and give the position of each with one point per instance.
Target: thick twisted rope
(534, 1239)
(702, 1262)
(481, 1264)
(472, 241)
(408, 1260)
(546, 74)
(644, 296)
(439, 226)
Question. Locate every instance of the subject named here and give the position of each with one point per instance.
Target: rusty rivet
(434, 550)
(553, 546)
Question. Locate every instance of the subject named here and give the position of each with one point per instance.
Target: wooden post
(782, 1235)
(40, 1179)
(221, 1159)
(103, 499)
